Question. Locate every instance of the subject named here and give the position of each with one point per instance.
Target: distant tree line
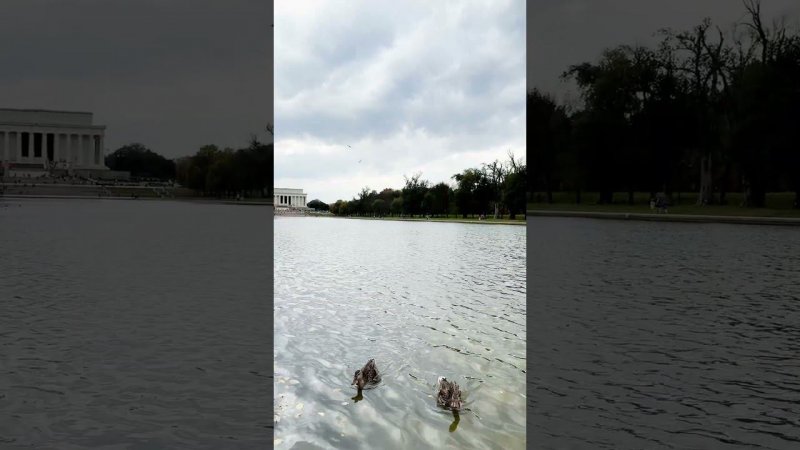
(705, 111)
(227, 172)
(141, 162)
(492, 190)
(246, 172)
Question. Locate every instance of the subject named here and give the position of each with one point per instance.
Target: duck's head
(358, 380)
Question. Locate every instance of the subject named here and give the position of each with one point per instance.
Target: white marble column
(55, 146)
(18, 146)
(75, 149)
(30, 146)
(102, 144)
(41, 147)
(82, 153)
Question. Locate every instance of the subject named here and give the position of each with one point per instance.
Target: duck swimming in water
(448, 394)
(367, 374)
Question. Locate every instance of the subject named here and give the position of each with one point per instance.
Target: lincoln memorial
(45, 138)
(285, 198)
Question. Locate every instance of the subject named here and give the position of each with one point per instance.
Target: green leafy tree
(380, 207)
(318, 205)
(413, 194)
(141, 162)
(397, 206)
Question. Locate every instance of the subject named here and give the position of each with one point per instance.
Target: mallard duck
(367, 374)
(448, 394)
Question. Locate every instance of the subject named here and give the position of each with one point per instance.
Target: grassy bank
(777, 205)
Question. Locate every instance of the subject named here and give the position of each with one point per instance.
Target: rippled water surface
(424, 300)
(655, 335)
(134, 325)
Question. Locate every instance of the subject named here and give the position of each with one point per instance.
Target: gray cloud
(173, 75)
(412, 86)
(565, 32)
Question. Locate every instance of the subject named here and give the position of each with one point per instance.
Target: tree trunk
(759, 196)
(606, 197)
(746, 194)
(754, 194)
(723, 186)
(704, 197)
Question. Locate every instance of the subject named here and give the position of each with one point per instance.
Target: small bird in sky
(359, 161)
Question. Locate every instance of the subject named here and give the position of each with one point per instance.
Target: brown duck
(367, 374)
(448, 394)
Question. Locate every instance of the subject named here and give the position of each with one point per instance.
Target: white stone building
(39, 139)
(286, 198)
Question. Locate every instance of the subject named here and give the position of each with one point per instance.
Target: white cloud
(411, 86)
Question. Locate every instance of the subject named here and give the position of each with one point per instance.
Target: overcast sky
(412, 86)
(173, 75)
(565, 32)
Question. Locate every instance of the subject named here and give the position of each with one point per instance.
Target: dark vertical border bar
(529, 319)
(269, 251)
